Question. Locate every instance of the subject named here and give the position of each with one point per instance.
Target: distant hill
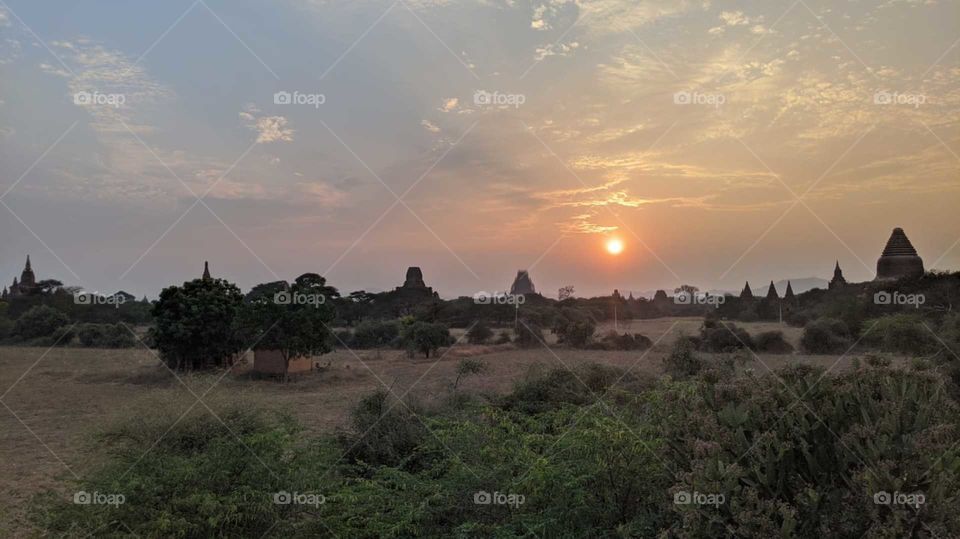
(799, 285)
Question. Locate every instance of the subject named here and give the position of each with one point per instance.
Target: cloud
(429, 126)
(268, 128)
(449, 104)
(737, 18)
(555, 49)
(4, 18)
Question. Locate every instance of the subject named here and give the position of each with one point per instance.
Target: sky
(719, 141)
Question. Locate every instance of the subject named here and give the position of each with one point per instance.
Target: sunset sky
(718, 141)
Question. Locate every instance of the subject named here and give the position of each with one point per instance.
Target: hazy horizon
(720, 142)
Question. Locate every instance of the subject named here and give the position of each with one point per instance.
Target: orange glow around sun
(614, 246)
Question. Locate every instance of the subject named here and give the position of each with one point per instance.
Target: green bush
(105, 336)
(529, 334)
(825, 336)
(628, 466)
(479, 333)
(575, 334)
(385, 432)
(772, 342)
(194, 478)
(39, 321)
(625, 341)
(425, 338)
(720, 337)
(375, 334)
(900, 333)
(682, 361)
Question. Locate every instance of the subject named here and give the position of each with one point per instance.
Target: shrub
(575, 334)
(194, 478)
(503, 337)
(552, 391)
(384, 433)
(723, 337)
(39, 321)
(900, 333)
(375, 334)
(105, 336)
(6, 326)
(479, 333)
(803, 470)
(529, 334)
(425, 338)
(772, 342)
(683, 360)
(468, 367)
(825, 336)
(616, 341)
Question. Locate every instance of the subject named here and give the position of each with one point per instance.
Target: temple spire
(746, 293)
(27, 266)
(772, 292)
(206, 270)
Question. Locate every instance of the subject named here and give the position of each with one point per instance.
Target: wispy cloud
(268, 128)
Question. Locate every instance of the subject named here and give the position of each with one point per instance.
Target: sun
(614, 246)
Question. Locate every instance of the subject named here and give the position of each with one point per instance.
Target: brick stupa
(899, 259)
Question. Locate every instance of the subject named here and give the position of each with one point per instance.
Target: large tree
(293, 319)
(196, 324)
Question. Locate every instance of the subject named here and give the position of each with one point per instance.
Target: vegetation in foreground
(718, 451)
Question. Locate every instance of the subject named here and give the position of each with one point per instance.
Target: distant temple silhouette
(522, 284)
(838, 281)
(899, 258)
(27, 285)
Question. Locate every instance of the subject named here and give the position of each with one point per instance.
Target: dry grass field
(57, 398)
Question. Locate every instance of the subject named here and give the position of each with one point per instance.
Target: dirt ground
(54, 399)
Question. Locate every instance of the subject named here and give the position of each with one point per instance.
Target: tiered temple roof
(899, 258)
